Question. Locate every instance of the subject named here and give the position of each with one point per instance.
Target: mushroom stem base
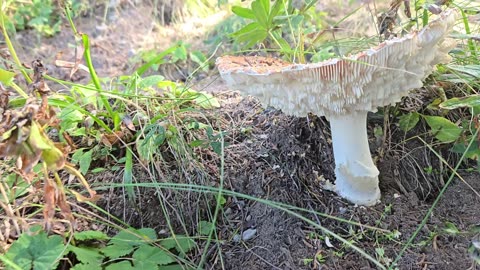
(357, 175)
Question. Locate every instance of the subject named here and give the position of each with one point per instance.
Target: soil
(284, 159)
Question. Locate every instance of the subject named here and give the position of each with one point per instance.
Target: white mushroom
(345, 90)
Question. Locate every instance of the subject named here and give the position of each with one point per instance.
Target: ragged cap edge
(375, 77)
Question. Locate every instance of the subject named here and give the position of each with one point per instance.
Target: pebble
(236, 238)
(248, 234)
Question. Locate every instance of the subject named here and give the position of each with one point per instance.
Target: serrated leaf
(117, 250)
(181, 243)
(243, 12)
(87, 255)
(90, 235)
(123, 265)
(443, 129)
(408, 121)
(148, 257)
(36, 251)
(125, 242)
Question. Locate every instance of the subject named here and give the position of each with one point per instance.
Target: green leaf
(123, 265)
(36, 250)
(205, 227)
(87, 255)
(180, 53)
(148, 257)
(243, 12)
(6, 77)
(260, 9)
(180, 242)
(450, 228)
(276, 8)
(206, 101)
(454, 103)
(408, 121)
(90, 235)
(176, 267)
(125, 242)
(150, 81)
(246, 30)
(473, 152)
(253, 37)
(443, 129)
(284, 46)
(83, 159)
(117, 250)
(86, 266)
(200, 59)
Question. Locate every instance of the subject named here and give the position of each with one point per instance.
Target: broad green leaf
(87, 255)
(83, 159)
(408, 121)
(207, 101)
(254, 37)
(90, 235)
(180, 242)
(36, 139)
(454, 103)
(204, 227)
(134, 237)
(443, 129)
(150, 81)
(37, 250)
(473, 152)
(243, 12)
(470, 70)
(176, 267)
(125, 242)
(117, 250)
(86, 266)
(123, 265)
(148, 257)
(180, 53)
(6, 77)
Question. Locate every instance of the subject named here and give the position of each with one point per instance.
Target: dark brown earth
(283, 159)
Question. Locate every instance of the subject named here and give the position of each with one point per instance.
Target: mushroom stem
(357, 175)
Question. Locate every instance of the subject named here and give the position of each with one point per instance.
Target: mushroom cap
(362, 82)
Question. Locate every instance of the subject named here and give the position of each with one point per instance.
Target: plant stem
(10, 46)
